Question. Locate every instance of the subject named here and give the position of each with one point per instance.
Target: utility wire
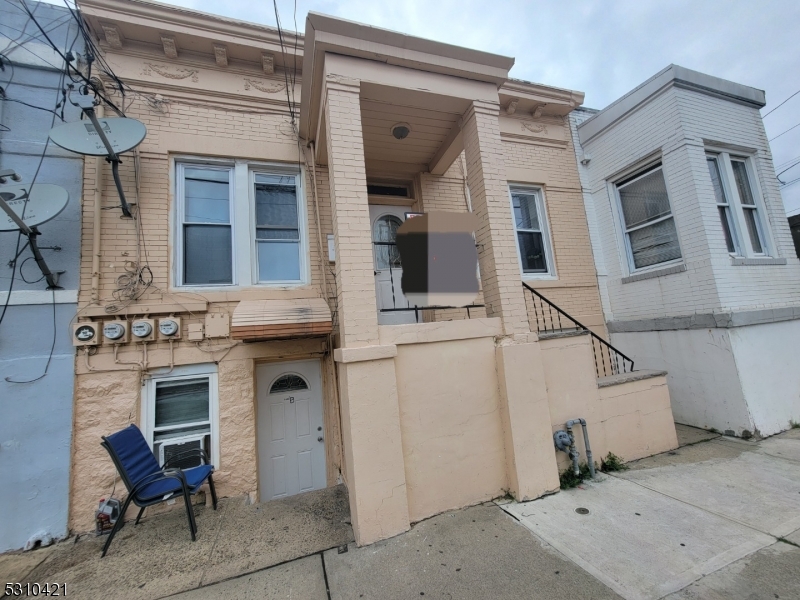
(787, 131)
(781, 104)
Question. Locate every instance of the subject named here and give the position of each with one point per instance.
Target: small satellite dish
(44, 202)
(81, 136)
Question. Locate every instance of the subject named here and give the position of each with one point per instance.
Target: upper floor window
(530, 224)
(650, 234)
(738, 206)
(239, 224)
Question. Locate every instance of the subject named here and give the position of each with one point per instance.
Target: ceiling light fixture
(401, 130)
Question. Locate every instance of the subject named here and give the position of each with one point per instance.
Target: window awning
(255, 320)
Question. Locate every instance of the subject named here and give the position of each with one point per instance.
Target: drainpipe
(573, 452)
(96, 223)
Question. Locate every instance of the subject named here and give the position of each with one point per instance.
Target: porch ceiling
(430, 130)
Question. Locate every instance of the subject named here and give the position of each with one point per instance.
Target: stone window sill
(739, 262)
(656, 273)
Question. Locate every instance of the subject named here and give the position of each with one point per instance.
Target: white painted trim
(244, 251)
(148, 405)
(30, 297)
(544, 223)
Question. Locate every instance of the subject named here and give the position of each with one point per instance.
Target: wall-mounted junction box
(194, 332)
(218, 325)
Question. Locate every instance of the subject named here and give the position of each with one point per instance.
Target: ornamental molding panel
(534, 127)
(170, 72)
(268, 87)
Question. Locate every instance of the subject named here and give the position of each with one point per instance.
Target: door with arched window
(291, 444)
(389, 296)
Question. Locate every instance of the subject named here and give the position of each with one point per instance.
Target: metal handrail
(610, 362)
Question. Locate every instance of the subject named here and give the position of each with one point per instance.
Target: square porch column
(530, 458)
(374, 467)
(496, 237)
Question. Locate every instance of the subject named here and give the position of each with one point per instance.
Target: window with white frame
(737, 199)
(180, 417)
(649, 227)
(531, 227)
(239, 224)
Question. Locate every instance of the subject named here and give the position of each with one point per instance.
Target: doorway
(385, 221)
(291, 444)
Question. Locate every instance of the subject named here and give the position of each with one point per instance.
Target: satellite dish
(44, 202)
(81, 136)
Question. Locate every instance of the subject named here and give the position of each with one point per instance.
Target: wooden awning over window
(255, 320)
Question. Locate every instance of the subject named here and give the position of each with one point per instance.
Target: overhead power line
(783, 132)
(781, 104)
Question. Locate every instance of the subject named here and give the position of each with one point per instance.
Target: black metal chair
(148, 483)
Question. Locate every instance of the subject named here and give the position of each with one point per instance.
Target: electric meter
(114, 331)
(168, 327)
(85, 334)
(142, 329)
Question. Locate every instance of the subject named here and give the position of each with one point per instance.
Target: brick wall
(675, 125)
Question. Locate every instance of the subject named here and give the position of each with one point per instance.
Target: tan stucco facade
(418, 418)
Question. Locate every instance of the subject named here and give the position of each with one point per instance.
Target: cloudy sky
(601, 47)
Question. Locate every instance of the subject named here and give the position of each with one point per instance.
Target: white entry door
(291, 445)
(385, 221)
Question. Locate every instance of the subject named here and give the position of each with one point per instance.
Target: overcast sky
(601, 47)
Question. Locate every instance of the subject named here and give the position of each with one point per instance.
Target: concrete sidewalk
(716, 519)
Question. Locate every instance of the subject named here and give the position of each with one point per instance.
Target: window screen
(277, 228)
(649, 226)
(207, 236)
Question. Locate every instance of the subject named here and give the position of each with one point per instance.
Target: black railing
(409, 307)
(548, 318)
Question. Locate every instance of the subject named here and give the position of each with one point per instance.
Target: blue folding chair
(148, 483)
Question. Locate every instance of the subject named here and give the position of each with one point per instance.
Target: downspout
(96, 223)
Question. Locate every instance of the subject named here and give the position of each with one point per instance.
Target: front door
(291, 448)
(385, 221)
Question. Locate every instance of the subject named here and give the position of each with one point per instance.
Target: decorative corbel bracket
(170, 47)
(268, 63)
(221, 55)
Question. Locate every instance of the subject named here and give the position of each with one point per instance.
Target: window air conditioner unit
(176, 446)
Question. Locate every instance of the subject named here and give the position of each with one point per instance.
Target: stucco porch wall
(632, 419)
(452, 433)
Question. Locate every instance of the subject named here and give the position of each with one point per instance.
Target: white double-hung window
(739, 204)
(180, 415)
(530, 223)
(651, 237)
(239, 224)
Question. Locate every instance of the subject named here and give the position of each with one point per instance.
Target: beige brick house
(268, 192)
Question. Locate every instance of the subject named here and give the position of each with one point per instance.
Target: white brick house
(697, 270)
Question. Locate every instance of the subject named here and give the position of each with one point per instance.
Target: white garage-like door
(291, 445)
